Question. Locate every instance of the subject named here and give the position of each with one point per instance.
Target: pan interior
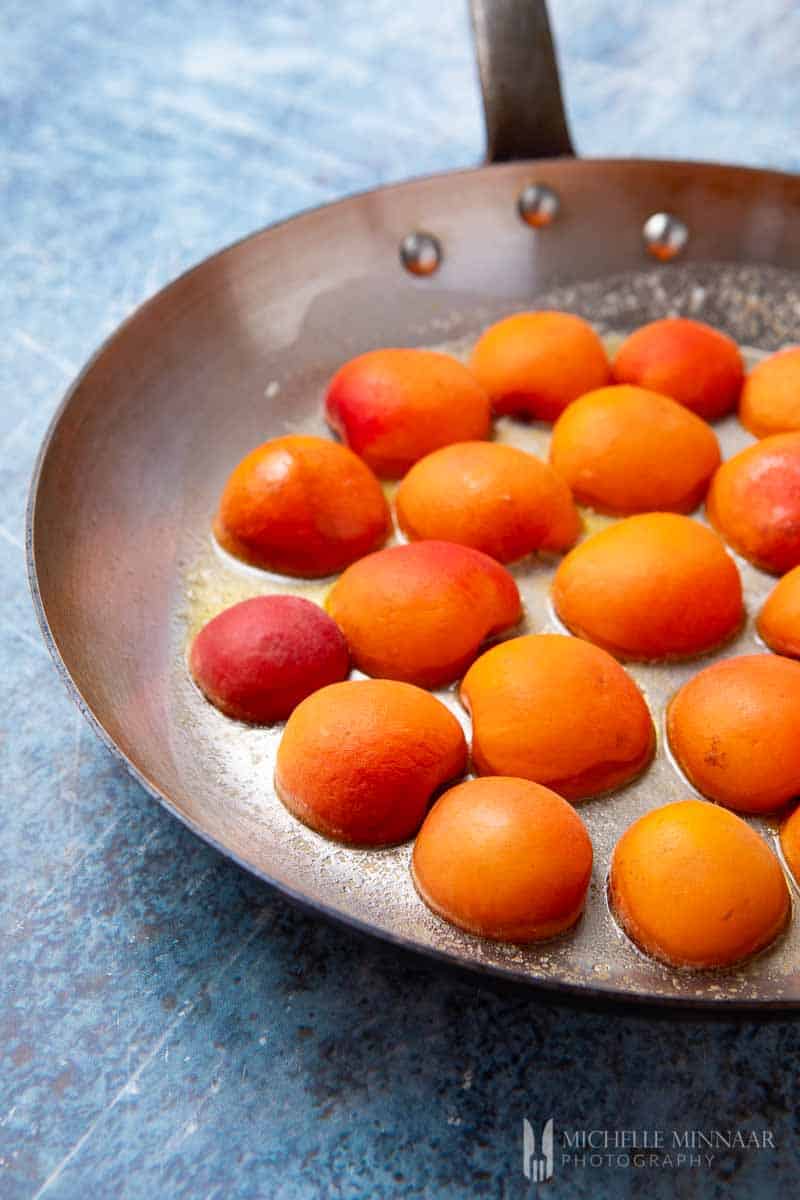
(231, 765)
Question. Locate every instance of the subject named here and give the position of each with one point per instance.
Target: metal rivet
(538, 205)
(665, 236)
(420, 253)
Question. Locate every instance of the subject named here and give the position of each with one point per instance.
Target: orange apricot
(557, 711)
(258, 659)
(733, 730)
(625, 450)
(790, 843)
(360, 760)
(696, 365)
(419, 612)
(302, 506)
(770, 401)
(393, 407)
(536, 363)
(754, 502)
(655, 586)
(694, 886)
(492, 497)
(779, 620)
(503, 858)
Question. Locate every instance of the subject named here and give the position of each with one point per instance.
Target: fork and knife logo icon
(537, 1167)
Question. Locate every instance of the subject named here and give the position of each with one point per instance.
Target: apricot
(302, 506)
(754, 502)
(655, 586)
(770, 401)
(536, 363)
(393, 407)
(419, 612)
(258, 659)
(360, 760)
(733, 730)
(503, 858)
(626, 450)
(492, 497)
(779, 620)
(696, 365)
(694, 886)
(790, 844)
(557, 711)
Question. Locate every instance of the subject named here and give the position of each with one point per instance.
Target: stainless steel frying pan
(239, 349)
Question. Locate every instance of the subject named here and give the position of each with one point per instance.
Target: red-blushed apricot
(754, 502)
(360, 760)
(503, 858)
(625, 450)
(779, 620)
(651, 587)
(492, 497)
(790, 844)
(258, 659)
(302, 506)
(557, 711)
(694, 886)
(733, 729)
(393, 407)
(696, 365)
(420, 612)
(770, 401)
(534, 364)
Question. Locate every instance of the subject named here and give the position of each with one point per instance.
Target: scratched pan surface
(238, 351)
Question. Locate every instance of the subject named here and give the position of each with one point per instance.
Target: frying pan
(239, 349)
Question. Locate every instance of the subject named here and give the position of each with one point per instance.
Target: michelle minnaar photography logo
(547, 1150)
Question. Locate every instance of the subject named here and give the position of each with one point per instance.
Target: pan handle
(522, 99)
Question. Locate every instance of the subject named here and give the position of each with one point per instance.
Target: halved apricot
(693, 885)
(557, 711)
(790, 844)
(779, 620)
(696, 365)
(360, 760)
(536, 363)
(492, 497)
(392, 407)
(754, 502)
(301, 506)
(625, 450)
(258, 659)
(734, 730)
(770, 401)
(420, 612)
(655, 586)
(505, 859)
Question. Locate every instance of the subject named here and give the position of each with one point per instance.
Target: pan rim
(588, 992)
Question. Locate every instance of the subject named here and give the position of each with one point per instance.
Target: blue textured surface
(169, 1027)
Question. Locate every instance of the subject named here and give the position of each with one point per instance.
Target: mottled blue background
(170, 1028)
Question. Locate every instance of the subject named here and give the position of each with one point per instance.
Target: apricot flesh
(360, 760)
(419, 612)
(651, 587)
(688, 360)
(392, 407)
(626, 450)
(557, 711)
(258, 659)
(301, 506)
(754, 502)
(790, 844)
(534, 364)
(733, 729)
(770, 401)
(503, 858)
(779, 620)
(694, 886)
(492, 497)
